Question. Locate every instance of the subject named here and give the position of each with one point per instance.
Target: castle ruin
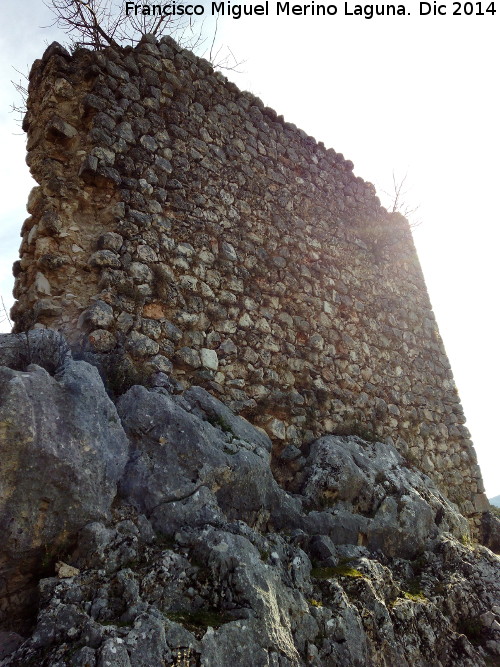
(181, 227)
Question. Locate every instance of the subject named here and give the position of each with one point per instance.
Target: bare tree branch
(399, 203)
(97, 24)
(21, 87)
(100, 23)
(5, 316)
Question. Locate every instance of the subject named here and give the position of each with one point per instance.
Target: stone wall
(180, 226)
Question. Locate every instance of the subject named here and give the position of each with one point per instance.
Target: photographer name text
(367, 11)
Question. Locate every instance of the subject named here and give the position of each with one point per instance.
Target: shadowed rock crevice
(45, 348)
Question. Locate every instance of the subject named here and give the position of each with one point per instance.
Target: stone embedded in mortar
(188, 358)
(111, 241)
(99, 315)
(161, 363)
(102, 340)
(276, 428)
(140, 345)
(228, 251)
(57, 128)
(140, 272)
(42, 285)
(105, 258)
(209, 359)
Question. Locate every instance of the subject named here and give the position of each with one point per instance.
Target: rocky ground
(151, 531)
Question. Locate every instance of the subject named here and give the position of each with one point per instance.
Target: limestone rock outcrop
(63, 451)
(181, 548)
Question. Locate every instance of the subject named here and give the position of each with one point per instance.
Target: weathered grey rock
(109, 549)
(218, 595)
(63, 451)
(210, 409)
(57, 128)
(228, 251)
(490, 531)
(113, 654)
(182, 463)
(141, 273)
(84, 657)
(161, 364)
(375, 498)
(205, 559)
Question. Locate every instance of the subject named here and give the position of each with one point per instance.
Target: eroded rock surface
(188, 552)
(62, 452)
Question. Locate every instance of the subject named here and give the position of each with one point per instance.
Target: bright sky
(414, 95)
